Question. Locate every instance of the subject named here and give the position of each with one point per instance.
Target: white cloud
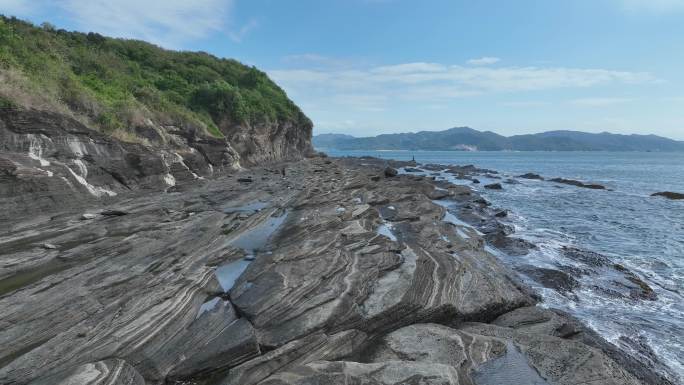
(240, 34)
(484, 61)
(165, 22)
(169, 23)
(438, 82)
(599, 102)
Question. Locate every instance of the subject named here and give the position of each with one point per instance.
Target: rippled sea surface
(643, 233)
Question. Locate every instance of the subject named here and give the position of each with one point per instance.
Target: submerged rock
(613, 279)
(577, 183)
(530, 175)
(502, 214)
(552, 279)
(669, 195)
(510, 245)
(494, 186)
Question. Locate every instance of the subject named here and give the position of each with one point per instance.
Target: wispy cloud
(169, 23)
(526, 104)
(600, 102)
(166, 22)
(484, 61)
(239, 35)
(435, 82)
(309, 60)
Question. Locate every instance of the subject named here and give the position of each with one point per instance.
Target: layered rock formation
(333, 273)
(48, 158)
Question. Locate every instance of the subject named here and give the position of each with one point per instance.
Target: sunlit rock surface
(322, 293)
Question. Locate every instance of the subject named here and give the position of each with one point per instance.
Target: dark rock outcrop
(550, 278)
(47, 158)
(391, 172)
(620, 281)
(669, 195)
(577, 183)
(536, 320)
(510, 245)
(494, 186)
(530, 175)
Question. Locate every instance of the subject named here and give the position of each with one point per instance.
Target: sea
(626, 224)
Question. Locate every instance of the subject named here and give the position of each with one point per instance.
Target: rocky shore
(319, 271)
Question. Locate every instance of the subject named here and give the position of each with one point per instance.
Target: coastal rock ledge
(669, 195)
(316, 272)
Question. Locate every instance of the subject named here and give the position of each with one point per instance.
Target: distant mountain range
(467, 139)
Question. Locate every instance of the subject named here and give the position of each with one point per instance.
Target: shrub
(110, 80)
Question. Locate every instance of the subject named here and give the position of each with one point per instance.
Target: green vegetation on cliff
(116, 84)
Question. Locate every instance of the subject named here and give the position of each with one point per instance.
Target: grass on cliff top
(117, 84)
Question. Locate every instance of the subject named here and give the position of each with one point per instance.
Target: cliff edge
(85, 116)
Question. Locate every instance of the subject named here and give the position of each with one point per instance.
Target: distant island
(468, 139)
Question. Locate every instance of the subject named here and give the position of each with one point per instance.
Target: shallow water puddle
(229, 273)
(252, 242)
(451, 218)
(386, 231)
(208, 306)
(511, 368)
(255, 239)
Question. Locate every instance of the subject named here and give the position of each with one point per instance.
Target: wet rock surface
(669, 195)
(551, 278)
(530, 175)
(577, 183)
(336, 274)
(618, 279)
(494, 186)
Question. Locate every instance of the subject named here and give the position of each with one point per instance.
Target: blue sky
(365, 67)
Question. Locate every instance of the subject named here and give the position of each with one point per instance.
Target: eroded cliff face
(270, 142)
(47, 158)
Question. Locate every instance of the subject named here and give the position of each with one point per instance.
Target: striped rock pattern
(342, 290)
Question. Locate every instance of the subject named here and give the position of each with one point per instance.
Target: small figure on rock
(391, 172)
